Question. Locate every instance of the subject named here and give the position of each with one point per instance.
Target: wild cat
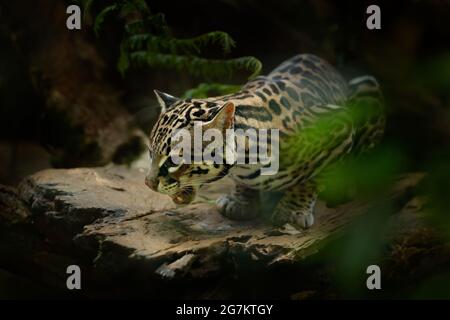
(294, 98)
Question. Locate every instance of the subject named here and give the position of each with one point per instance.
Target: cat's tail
(367, 105)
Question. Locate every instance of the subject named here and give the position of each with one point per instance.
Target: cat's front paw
(232, 209)
(299, 219)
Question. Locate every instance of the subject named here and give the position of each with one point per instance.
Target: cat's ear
(224, 119)
(165, 100)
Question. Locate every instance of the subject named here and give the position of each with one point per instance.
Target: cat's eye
(174, 169)
(170, 166)
(169, 163)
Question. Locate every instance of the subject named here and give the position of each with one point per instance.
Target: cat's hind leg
(297, 205)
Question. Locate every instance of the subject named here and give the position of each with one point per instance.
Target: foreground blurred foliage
(436, 287)
(436, 189)
(364, 243)
(435, 73)
(364, 175)
(367, 176)
(370, 175)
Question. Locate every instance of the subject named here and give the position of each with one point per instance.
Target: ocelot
(320, 117)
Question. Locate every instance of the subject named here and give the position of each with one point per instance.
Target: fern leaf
(141, 6)
(102, 15)
(86, 4)
(148, 42)
(205, 90)
(190, 46)
(156, 24)
(209, 68)
(134, 27)
(124, 62)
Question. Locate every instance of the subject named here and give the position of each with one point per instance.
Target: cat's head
(181, 180)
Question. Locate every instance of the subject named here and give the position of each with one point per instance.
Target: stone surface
(106, 220)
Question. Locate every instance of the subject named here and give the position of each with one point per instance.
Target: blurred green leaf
(435, 287)
(436, 188)
(436, 72)
(364, 175)
(361, 246)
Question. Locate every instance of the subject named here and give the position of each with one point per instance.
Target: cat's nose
(152, 183)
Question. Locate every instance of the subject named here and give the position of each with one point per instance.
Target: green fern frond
(196, 66)
(156, 24)
(134, 27)
(184, 46)
(128, 7)
(141, 6)
(86, 4)
(124, 62)
(214, 37)
(251, 64)
(205, 90)
(148, 41)
(102, 15)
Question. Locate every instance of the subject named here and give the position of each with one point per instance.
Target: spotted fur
(295, 98)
